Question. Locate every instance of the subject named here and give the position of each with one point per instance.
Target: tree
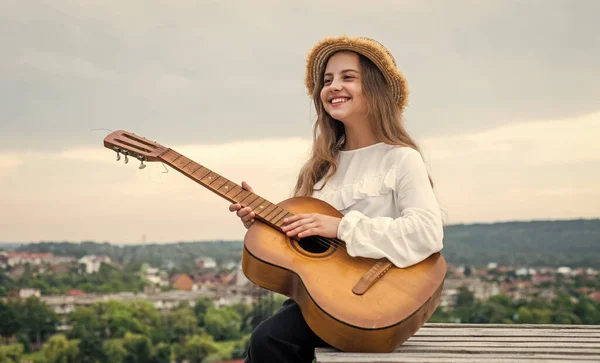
(586, 311)
(114, 352)
(525, 316)
(202, 305)
(59, 349)
(223, 323)
(182, 322)
(196, 348)
(138, 348)
(240, 348)
(90, 348)
(117, 319)
(37, 319)
(465, 298)
(11, 353)
(10, 320)
(145, 312)
(83, 320)
(161, 353)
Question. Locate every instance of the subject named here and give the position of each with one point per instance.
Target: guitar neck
(265, 211)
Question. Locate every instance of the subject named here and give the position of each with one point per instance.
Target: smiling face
(342, 93)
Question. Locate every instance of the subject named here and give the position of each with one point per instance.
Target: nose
(335, 85)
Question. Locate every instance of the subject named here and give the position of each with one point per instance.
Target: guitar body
(379, 320)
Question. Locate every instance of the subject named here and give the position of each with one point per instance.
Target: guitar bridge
(370, 277)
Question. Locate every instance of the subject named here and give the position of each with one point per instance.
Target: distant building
(156, 276)
(36, 259)
(27, 293)
(564, 270)
(75, 292)
(230, 265)
(481, 290)
(93, 263)
(206, 262)
(540, 279)
(3, 259)
(183, 282)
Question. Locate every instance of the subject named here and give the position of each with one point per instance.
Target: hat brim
(373, 50)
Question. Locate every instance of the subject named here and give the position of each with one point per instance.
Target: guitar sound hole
(314, 244)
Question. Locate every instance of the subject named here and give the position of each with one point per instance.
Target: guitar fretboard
(265, 211)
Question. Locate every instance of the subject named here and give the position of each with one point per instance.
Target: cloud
(10, 160)
(545, 142)
(65, 65)
(208, 69)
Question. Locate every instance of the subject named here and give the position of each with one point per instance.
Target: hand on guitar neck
(245, 214)
(300, 225)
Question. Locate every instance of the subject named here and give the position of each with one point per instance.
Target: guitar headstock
(129, 144)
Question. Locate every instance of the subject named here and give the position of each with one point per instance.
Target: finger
(249, 223)
(306, 220)
(234, 207)
(244, 211)
(309, 232)
(301, 228)
(296, 217)
(247, 186)
(248, 217)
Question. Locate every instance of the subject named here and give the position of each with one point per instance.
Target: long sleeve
(408, 239)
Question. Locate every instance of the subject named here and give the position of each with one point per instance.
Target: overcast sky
(504, 101)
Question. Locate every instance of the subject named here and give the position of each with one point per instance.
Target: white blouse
(388, 204)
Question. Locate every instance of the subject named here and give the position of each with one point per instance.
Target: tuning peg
(118, 155)
(126, 156)
(141, 159)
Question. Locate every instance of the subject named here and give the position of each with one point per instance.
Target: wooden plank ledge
(468, 343)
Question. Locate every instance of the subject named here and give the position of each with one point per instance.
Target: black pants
(283, 338)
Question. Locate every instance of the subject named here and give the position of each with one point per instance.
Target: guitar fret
(265, 212)
(226, 187)
(243, 195)
(191, 168)
(181, 162)
(200, 173)
(169, 156)
(279, 217)
(280, 222)
(218, 183)
(234, 192)
(261, 207)
(273, 213)
(250, 196)
(256, 203)
(209, 178)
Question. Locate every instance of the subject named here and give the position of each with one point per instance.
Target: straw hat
(370, 48)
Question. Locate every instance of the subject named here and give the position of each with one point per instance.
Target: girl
(364, 164)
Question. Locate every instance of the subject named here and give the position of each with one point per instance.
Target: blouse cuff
(346, 230)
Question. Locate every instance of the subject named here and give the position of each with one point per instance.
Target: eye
(327, 81)
(348, 77)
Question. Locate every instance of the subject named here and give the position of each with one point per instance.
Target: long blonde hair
(383, 114)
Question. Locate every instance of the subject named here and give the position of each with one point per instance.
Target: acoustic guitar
(354, 304)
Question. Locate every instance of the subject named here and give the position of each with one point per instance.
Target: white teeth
(338, 100)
